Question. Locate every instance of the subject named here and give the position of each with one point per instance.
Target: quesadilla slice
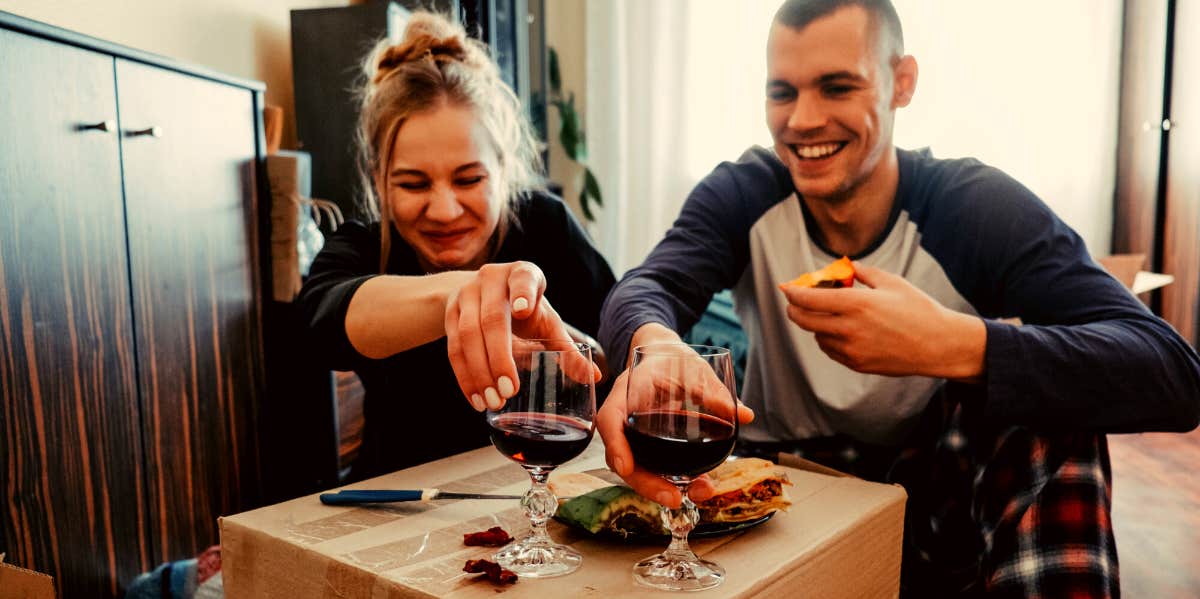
(746, 489)
(839, 273)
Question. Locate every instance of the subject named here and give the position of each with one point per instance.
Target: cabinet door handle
(154, 131)
(104, 126)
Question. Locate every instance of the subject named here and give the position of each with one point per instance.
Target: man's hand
(892, 328)
(481, 318)
(610, 423)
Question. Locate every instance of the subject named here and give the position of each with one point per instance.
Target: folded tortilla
(746, 489)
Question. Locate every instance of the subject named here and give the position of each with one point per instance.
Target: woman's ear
(904, 84)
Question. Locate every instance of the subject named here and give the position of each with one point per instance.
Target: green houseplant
(572, 137)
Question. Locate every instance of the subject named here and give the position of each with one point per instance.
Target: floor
(1156, 513)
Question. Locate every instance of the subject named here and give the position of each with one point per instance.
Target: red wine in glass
(681, 406)
(661, 443)
(537, 439)
(546, 423)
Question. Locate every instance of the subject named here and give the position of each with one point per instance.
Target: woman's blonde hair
(436, 62)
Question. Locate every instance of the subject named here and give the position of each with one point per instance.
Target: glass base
(677, 573)
(532, 557)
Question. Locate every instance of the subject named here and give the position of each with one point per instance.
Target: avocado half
(616, 511)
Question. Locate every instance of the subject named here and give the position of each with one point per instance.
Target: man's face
(830, 102)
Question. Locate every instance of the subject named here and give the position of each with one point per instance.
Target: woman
(467, 252)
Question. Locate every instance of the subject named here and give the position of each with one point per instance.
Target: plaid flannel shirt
(991, 512)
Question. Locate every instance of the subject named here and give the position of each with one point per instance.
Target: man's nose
(443, 204)
(807, 113)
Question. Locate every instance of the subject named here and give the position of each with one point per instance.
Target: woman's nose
(443, 204)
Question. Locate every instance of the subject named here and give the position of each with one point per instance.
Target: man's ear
(904, 84)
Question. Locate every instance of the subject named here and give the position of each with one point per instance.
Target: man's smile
(816, 151)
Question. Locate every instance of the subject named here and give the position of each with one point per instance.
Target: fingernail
(477, 402)
(520, 304)
(493, 399)
(505, 385)
(664, 497)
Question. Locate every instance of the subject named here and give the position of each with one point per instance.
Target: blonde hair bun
(429, 36)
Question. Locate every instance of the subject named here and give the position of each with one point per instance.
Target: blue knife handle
(356, 497)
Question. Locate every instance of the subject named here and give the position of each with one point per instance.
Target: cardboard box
(19, 583)
(1127, 268)
(841, 538)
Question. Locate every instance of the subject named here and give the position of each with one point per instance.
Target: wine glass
(681, 422)
(547, 423)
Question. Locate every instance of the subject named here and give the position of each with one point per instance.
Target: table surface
(302, 548)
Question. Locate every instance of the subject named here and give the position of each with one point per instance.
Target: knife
(357, 496)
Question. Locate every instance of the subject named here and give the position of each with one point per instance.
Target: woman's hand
(482, 317)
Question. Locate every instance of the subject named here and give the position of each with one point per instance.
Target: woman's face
(441, 189)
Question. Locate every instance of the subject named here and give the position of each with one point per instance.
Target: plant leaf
(568, 133)
(591, 186)
(583, 204)
(554, 76)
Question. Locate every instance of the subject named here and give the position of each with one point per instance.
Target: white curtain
(676, 86)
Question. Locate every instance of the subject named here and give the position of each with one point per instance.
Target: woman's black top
(414, 410)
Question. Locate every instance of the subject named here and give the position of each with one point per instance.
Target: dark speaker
(328, 46)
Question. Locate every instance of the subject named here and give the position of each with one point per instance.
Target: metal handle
(154, 131)
(104, 126)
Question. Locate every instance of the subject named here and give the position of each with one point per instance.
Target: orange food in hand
(839, 273)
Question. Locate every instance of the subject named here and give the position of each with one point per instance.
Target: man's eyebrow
(840, 76)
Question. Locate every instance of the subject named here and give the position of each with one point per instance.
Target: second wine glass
(681, 407)
(547, 423)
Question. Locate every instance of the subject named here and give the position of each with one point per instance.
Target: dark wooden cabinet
(1181, 201)
(130, 306)
(73, 491)
(1157, 208)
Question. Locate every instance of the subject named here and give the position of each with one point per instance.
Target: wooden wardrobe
(130, 305)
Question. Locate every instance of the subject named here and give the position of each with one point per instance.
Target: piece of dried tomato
(492, 570)
(492, 537)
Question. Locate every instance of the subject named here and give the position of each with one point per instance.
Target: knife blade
(358, 496)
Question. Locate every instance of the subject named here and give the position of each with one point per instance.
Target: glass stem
(680, 521)
(540, 504)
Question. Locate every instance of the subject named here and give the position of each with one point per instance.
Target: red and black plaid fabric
(991, 512)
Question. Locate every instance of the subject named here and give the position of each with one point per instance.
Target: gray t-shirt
(1090, 356)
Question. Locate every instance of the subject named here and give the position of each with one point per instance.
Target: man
(996, 431)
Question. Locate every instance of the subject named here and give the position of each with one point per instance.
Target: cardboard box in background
(1127, 268)
(841, 538)
(19, 583)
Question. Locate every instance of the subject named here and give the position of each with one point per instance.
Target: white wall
(250, 39)
(566, 32)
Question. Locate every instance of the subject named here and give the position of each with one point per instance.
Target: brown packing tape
(19, 583)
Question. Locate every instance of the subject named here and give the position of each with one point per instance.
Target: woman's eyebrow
(469, 166)
(397, 172)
